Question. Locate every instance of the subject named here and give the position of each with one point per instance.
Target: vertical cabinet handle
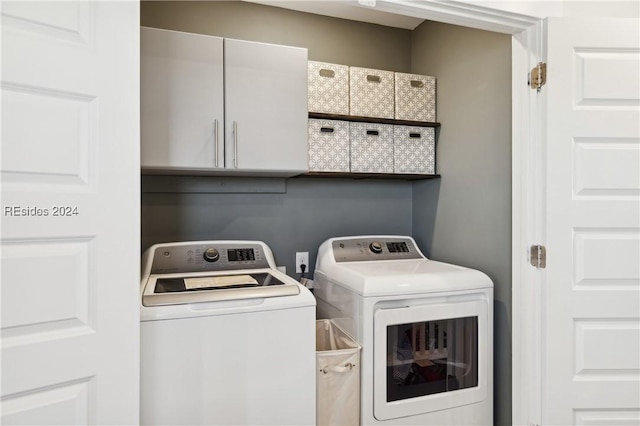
(215, 142)
(235, 144)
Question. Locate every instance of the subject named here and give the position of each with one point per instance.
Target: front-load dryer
(425, 327)
(226, 338)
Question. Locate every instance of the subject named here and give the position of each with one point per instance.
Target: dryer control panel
(205, 256)
(374, 248)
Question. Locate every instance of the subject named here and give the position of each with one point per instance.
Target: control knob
(211, 255)
(375, 247)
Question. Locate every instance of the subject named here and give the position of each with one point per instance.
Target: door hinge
(538, 256)
(538, 76)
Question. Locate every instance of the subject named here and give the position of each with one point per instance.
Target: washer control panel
(208, 257)
(374, 248)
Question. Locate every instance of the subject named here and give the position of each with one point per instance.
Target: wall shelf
(355, 118)
(359, 176)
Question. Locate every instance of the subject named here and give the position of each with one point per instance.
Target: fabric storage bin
(371, 148)
(328, 145)
(414, 150)
(371, 93)
(328, 88)
(415, 97)
(337, 376)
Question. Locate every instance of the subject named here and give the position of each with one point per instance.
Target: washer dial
(211, 255)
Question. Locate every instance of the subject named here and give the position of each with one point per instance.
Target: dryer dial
(376, 247)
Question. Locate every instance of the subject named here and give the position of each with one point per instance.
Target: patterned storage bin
(414, 150)
(415, 97)
(328, 88)
(371, 148)
(371, 93)
(328, 145)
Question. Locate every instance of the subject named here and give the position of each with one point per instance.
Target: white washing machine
(226, 339)
(426, 330)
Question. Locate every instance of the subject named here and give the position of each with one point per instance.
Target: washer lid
(179, 289)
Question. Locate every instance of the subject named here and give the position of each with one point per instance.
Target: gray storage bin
(415, 97)
(371, 148)
(414, 150)
(337, 376)
(371, 92)
(328, 145)
(328, 88)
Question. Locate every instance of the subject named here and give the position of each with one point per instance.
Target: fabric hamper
(337, 376)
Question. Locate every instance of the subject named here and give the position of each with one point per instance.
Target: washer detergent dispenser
(226, 338)
(425, 327)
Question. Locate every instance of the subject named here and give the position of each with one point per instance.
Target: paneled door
(591, 298)
(70, 213)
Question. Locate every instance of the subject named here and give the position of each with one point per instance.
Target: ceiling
(346, 9)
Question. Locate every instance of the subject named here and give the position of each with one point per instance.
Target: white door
(591, 299)
(70, 212)
(265, 106)
(181, 100)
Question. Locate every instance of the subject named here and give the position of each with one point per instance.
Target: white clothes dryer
(426, 330)
(226, 338)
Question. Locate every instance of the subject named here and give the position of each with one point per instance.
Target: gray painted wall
(300, 218)
(470, 224)
(464, 218)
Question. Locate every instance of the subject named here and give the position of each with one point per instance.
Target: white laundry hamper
(337, 376)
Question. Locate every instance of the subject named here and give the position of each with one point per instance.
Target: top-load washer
(226, 338)
(426, 330)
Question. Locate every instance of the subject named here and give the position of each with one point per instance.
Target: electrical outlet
(302, 258)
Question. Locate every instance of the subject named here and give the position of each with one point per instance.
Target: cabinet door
(181, 100)
(266, 107)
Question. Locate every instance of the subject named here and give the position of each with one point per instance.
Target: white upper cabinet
(266, 106)
(182, 100)
(221, 106)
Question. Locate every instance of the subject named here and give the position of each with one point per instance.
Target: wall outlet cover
(302, 258)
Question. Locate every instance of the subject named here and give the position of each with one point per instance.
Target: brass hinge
(538, 256)
(538, 76)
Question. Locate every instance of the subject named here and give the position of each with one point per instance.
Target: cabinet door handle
(235, 144)
(215, 142)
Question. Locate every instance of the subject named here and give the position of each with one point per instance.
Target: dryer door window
(429, 358)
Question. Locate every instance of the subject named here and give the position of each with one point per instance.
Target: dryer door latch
(538, 256)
